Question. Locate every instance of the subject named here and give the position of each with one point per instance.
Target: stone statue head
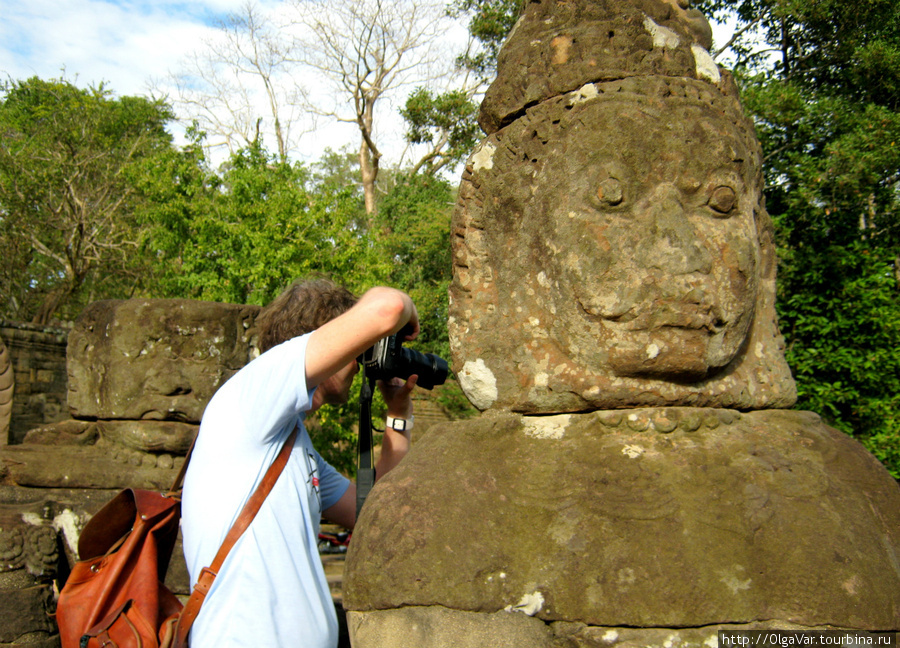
(649, 209)
(612, 249)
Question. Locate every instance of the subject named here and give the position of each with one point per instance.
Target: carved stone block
(155, 359)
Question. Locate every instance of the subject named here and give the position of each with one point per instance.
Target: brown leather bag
(115, 596)
(115, 593)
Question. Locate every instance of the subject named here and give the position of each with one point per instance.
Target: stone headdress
(611, 245)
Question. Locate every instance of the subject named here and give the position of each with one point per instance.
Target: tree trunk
(368, 167)
(52, 301)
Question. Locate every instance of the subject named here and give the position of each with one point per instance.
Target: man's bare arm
(394, 447)
(379, 312)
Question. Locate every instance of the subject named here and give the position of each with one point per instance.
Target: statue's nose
(672, 244)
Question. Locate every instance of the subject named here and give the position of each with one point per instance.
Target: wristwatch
(399, 424)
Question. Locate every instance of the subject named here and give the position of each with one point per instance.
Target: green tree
(244, 235)
(414, 219)
(67, 227)
(489, 22)
(446, 122)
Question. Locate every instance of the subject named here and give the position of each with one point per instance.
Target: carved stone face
(611, 249)
(663, 209)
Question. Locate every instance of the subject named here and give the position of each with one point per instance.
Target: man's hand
(397, 394)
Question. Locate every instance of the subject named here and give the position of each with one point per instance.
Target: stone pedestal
(625, 525)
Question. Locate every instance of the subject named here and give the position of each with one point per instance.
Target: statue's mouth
(694, 311)
(672, 314)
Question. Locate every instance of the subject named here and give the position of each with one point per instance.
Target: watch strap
(399, 424)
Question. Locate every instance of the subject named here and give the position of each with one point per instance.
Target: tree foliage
(414, 221)
(67, 227)
(446, 122)
(243, 235)
(840, 312)
(489, 22)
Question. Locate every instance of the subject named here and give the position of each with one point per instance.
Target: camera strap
(365, 471)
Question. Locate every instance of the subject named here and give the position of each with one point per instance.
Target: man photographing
(271, 590)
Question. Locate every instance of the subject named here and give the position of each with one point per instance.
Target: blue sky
(123, 43)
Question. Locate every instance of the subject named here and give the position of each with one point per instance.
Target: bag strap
(208, 574)
(179, 478)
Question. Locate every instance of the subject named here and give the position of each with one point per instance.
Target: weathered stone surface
(68, 432)
(35, 640)
(30, 554)
(559, 47)
(103, 466)
(439, 627)
(155, 359)
(612, 250)
(658, 517)
(611, 247)
(37, 355)
(6, 392)
(31, 546)
(26, 612)
(158, 437)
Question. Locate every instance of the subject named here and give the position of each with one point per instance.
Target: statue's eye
(610, 192)
(722, 200)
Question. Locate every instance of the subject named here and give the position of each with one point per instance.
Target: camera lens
(431, 369)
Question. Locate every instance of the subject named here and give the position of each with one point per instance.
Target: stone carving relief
(140, 375)
(619, 232)
(6, 392)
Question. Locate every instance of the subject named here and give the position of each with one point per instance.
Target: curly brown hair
(303, 307)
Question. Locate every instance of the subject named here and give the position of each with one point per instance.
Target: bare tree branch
(366, 51)
(245, 69)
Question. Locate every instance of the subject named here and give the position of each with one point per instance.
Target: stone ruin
(140, 375)
(635, 477)
(33, 369)
(7, 387)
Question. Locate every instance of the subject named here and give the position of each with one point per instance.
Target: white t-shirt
(271, 590)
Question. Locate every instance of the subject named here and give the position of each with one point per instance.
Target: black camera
(389, 359)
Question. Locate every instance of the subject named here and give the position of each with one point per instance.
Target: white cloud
(122, 44)
(129, 44)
